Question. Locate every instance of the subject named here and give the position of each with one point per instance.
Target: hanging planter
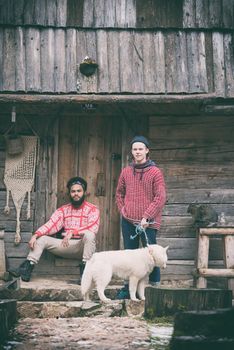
(88, 66)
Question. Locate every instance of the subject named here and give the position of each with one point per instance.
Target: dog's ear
(166, 248)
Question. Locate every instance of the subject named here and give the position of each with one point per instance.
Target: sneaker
(24, 271)
(123, 293)
(155, 284)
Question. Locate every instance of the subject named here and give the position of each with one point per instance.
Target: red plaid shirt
(141, 194)
(71, 219)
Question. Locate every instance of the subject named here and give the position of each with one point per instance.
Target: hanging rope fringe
(7, 208)
(19, 178)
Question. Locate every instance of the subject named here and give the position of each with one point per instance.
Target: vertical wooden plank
(229, 258)
(71, 65)
(109, 13)
(113, 239)
(189, 11)
(215, 14)
(159, 54)
(1, 58)
(18, 11)
(228, 14)
(20, 68)
(61, 13)
(98, 13)
(33, 69)
(202, 62)
(47, 60)
(182, 84)
(130, 13)
(67, 154)
(41, 177)
(121, 13)
(137, 63)
(229, 59)
(88, 13)
(193, 67)
(50, 18)
(91, 42)
(170, 62)
(125, 55)
(202, 13)
(40, 12)
(202, 259)
(81, 53)
(60, 61)
(53, 161)
(28, 11)
(8, 14)
(93, 160)
(75, 13)
(102, 57)
(148, 63)
(219, 66)
(209, 61)
(9, 59)
(113, 61)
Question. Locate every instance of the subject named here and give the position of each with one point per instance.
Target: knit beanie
(77, 181)
(141, 139)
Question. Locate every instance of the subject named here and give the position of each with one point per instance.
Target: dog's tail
(86, 280)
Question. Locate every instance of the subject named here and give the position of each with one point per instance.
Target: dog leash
(139, 231)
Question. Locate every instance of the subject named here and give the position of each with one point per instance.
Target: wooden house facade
(165, 70)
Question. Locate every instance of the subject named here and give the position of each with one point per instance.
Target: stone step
(63, 309)
(44, 293)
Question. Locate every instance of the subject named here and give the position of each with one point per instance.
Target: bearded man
(78, 223)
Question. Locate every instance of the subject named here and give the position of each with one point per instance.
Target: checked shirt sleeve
(159, 200)
(55, 224)
(120, 192)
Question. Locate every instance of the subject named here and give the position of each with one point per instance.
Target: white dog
(134, 265)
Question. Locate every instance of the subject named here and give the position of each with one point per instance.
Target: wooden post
(2, 254)
(229, 258)
(202, 259)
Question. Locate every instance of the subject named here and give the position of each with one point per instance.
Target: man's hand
(32, 242)
(66, 239)
(144, 223)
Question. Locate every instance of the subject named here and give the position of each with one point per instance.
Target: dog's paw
(106, 300)
(135, 299)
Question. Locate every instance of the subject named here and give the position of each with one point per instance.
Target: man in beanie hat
(140, 197)
(78, 222)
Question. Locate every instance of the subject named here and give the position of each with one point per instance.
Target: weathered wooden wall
(119, 13)
(47, 61)
(196, 155)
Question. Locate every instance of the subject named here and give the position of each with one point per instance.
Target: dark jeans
(128, 230)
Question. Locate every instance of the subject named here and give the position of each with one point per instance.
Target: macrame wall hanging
(19, 177)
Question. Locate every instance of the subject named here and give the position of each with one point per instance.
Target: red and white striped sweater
(141, 194)
(71, 219)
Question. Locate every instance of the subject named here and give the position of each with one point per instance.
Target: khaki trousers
(81, 249)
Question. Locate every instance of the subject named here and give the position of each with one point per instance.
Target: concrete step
(62, 309)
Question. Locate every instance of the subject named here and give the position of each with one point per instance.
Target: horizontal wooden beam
(219, 109)
(216, 272)
(72, 98)
(217, 231)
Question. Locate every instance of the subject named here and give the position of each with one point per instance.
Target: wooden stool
(227, 234)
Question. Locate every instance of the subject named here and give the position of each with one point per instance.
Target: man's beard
(78, 203)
